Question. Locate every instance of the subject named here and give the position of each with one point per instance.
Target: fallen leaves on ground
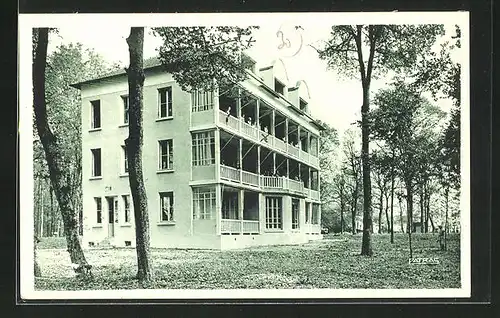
(333, 262)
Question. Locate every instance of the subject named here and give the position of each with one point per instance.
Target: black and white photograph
(244, 155)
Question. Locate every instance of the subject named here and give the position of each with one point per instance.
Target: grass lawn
(333, 262)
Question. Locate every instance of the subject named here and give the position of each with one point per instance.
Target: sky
(335, 99)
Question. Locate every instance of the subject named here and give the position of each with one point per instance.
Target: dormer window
(303, 105)
(279, 87)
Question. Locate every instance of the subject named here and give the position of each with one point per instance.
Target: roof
(155, 62)
(149, 63)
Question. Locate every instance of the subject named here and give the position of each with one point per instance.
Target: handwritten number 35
(284, 41)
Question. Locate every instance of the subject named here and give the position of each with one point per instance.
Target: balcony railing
(296, 186)
(250, 178)
(293, 151)
(250, 131)
(272, 182)
(304, 156)
(250, 226)
(229, 173)
(228, 120)
(314, 160)
(314, 194)
(239, 226)
(282, 183)
(266, 138)
(230, 226)
(253, 133)
(280, 144)
(266, 182)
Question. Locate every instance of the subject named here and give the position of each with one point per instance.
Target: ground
(333, 262)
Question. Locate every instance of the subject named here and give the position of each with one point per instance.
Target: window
(165, 102)
(98, 206)
(166, 159)
(125, 160)
(315, 213)
(303, 105)
(279, 87)
(295, 213)
(230, 205)
(96, 114)
(126, 208)
(203, 203)
(203, 149)
(274, 213)
(96, 162)
(308, 212)
(202, 101)
(125, 109)
(167, 206)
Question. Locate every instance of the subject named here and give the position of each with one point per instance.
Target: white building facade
(220, 172)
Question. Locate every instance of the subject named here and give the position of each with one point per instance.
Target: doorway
(112, 209)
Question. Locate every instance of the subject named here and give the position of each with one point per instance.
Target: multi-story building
(220, 170)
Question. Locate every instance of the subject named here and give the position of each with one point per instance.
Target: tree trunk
(36, 205)
(422, 209)
(57, 169)
(409, 213)
(366, 244)
(387, 213)
(353, 219)
(41, 211)
(341, 214)
(134, 143)
(432, 224)
(401, 215)
(446, 191)
(428, 211)
(392, 203)
(52, 212)
(380, 210)
(37, 269)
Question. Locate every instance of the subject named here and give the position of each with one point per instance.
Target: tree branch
(360, 53)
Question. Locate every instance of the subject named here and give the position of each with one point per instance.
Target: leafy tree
(340, 193)
(382, 164)
(328, 146)
(68, 64)
(389, 47)
(205, 58)
(440, 75)
(353, 171)
(406, 121)
(54, 152)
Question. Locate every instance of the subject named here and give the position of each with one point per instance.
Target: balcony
(231, 226)
(313, 194)
(267, 183)
(251, 132)
(282, 184)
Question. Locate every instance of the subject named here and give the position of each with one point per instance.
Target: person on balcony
(228, 113)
